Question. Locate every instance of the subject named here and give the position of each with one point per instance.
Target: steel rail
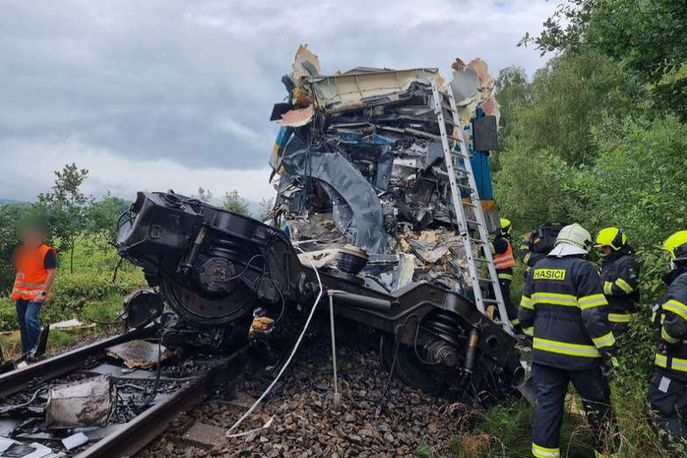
(143, 429)
(42, 371)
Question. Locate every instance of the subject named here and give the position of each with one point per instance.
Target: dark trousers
(29, 326)
(668, 399)
(511, 309)
(551, 386)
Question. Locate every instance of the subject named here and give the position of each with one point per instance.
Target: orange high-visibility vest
(31, 273)
(504, 260)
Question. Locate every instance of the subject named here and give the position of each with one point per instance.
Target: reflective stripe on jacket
(31, 272)
(620, 274)
(564, 309)
(671, 358)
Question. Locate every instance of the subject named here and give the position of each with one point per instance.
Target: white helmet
(572, 240)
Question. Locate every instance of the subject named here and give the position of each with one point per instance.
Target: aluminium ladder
(453, 157)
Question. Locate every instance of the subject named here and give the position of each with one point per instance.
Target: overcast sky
(159, 94)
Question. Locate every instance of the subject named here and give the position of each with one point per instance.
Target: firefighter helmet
(572, 239)
(506, 226)
(612, 237)
(676, 245)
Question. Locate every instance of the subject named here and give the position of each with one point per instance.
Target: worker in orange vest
(35, 263)
(504, 261)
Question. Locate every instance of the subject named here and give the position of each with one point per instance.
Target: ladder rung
(469, 221)
(481, 259)
(469, 204)
(464, 186)
(490, 301)
(490, 280)
(479, 241)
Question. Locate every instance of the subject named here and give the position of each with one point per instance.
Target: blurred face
(32, 237)
(606, 249)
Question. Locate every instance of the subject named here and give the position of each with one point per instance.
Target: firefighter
(504, 263)
(620, 276)
(564, 309)
(35, 263)
(669, 381)
(536, 244)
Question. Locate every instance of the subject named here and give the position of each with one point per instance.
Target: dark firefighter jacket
(564, 309)
(671, 358)
(620, 276)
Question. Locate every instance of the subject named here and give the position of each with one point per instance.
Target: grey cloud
(193, 82)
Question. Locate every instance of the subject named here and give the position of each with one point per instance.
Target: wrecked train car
(362, 215)
(360, 162)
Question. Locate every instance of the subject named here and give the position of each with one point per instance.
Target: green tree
(235, 203)
(266, 207)
(204, 195)
(66, 208)
(513, 91)
(103, 216)
(646, 36)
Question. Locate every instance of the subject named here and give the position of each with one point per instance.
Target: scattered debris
(15, 449)
(72, 324)
(84, 403)
(75, 440)
(139, 353)
(205, 436)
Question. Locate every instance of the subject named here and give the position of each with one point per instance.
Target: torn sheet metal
(139, 353)
(362, 163)
(297, 118)
(81, 404)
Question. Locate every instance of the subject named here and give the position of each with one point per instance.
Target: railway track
(181, 384)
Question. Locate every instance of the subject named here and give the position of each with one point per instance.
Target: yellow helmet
(612, 237)
(506, 226)
(676, 245)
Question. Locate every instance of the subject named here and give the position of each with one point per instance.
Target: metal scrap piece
(139, 353)
(84, 403)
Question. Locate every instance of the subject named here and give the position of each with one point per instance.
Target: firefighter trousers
(668, 399)
(551, 386)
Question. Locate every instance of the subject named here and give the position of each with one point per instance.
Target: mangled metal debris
(139, 353)
(360, 162)
(85, 403)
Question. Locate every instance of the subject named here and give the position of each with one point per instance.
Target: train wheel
(408, 368)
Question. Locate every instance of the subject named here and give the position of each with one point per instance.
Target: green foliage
(266, 207)
(506, 430)
(514, 91)
(646, 37)
(102, 216)
(65, 209)
(235, 203)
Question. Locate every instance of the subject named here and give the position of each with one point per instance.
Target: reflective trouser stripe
(621, 317)
(529, 331)
(676, 364)
(544, 452)
(515, 322)
(565, 348)
(505, 276)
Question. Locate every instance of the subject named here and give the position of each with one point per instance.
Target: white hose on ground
(286, 364)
